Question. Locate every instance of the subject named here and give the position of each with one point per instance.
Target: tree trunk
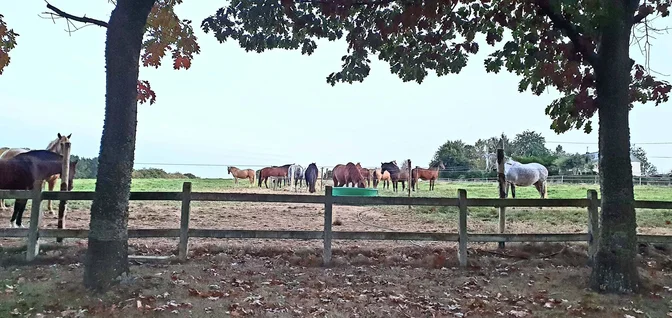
(615, 268)
(107, 254)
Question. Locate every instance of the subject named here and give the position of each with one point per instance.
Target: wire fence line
(574, 179)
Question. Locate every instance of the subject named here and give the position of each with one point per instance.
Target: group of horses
(343, 175)
(354, 175)
(279, 175)
(20, 168)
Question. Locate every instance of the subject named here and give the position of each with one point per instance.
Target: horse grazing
(431, 174)
(273, 171)
(295, 172)
(366, 173)
(21, 172)
(241, 173)
(345, 175)
(311, 177)
(518, 174)
(55, 146)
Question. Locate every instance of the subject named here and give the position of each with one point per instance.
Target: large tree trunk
(107, 254)
(615, 267)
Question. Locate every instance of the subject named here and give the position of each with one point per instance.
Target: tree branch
(642, 13)
(570, 30)
(84, 19)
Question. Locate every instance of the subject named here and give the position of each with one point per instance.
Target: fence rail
(574, 179)
(34, 233)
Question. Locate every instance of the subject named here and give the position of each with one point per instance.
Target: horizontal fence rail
(34, 233)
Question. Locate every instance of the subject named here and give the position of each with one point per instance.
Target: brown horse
(366, 173)
(431, 174)
(278, 172)
(381, 176)
(345, 175)
(55, 146)
(242, 174)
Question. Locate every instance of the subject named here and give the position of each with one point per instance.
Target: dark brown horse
(345, 175)
(431, 174)
(274, 171)
(397, 175)
(21, 172)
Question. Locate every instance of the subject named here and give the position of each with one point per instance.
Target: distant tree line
(478, 160)
(88, 167)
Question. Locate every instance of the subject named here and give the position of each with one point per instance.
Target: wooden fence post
(462, 203)
(322, 178)
(183, 248)
(328, 204)
(502, 190)
(35, 218)
(410, 180)
(65, 174)
(593, 225)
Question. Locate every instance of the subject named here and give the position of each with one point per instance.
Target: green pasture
(443, 189)
(547, 216)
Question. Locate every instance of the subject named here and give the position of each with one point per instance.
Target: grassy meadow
(545, 217)
(443, 189)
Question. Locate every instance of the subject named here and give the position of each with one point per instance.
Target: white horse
(518, 174)
(296, 173)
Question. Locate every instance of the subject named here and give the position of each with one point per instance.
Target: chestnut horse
(378, 176)
(345, 175)
(366, 173)
(273, 171)
(431, 174)
(55, 146)
(242, 174)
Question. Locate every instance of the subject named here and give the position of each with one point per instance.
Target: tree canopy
(7, 43)
(550, 43)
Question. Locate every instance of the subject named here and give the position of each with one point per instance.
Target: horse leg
(19, 207)
(513, 191)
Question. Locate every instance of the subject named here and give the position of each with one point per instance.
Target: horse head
(387, 166)
(56, 145)
(228, 170)
(441, 165)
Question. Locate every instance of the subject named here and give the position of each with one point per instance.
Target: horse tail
(254, 174)
(259, 178)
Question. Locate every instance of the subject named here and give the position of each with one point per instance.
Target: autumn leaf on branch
(554, 45)
(164, 31)
(145, 93)
(7, 43)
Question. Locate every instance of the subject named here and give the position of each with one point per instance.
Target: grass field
(443, 189)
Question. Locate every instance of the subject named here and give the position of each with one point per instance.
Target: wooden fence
(591, 203)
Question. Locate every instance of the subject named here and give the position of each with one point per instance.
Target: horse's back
(10, 153)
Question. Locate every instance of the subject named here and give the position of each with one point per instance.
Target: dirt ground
(274, 281)
(288, 216)
(283, 278)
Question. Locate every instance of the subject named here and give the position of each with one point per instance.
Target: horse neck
(54, 146)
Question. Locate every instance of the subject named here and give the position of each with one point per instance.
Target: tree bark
(107, 254)
(615, 268)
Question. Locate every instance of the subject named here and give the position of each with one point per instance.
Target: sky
(272, 108)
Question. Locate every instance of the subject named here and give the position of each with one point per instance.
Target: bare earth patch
(275, 281)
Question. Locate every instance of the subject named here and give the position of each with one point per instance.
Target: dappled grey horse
(519, 174)
(295, 173)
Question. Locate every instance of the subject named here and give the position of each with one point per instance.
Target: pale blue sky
(234, 107)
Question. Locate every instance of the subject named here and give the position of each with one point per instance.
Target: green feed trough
(354, 192)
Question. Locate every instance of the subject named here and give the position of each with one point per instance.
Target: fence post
(65, 174)
(502, 191)
(35, 218)
(183, 248)
(328, 204)
(322, 178)
(462, 203)
(593, 225)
